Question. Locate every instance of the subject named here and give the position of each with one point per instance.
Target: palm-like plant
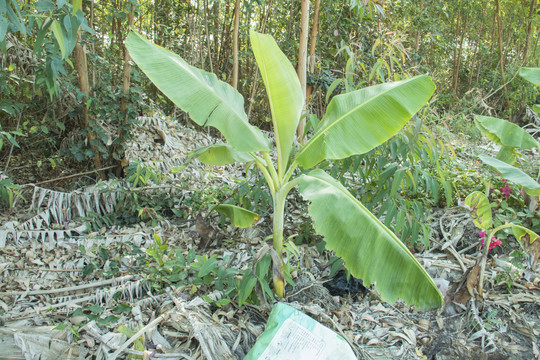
(354, 124)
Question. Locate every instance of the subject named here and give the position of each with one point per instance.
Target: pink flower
(492, 244)
(506, 190)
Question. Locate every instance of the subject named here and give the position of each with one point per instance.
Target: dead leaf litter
(45, 247)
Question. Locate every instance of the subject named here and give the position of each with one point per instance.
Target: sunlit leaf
(370, 250)
(240, 217)
(76, 5)
(480, 210)
(530, 74)
(208, 100)
(57, 31)
(507, 154)
(359, 121)
(220, 154)
(513, 174)
(524, 234)
(284, 93)
(505, 133)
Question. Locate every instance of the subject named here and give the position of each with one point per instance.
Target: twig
(71, 176)
(469, 247)
(48, 307)
(12, 145)
(458, 258)
(501, 87)
(70, 288)
(93, 333)
(138, 334)
(43, 269)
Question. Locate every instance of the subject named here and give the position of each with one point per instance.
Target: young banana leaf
(505, 133)
(512, 173)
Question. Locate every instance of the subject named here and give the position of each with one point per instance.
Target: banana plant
(510, 137)
(354, 124)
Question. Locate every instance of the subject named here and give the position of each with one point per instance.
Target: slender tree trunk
(224, 54)
(207, 31)
(501, 52)
(529, 27)
(313, 40)
(262, 27)
(314, 33)
(493, 32)
(302, 61)
(473, 63)
(82, 71)
(235, 44)
(216, 35)
(312, 46)
(458, 61)
(455, 67)
(125, 92)
(127, 68)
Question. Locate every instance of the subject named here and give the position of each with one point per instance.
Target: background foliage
(472, 49)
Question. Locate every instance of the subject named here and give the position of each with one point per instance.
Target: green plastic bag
(292, 335)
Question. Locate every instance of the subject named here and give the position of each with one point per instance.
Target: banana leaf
(505, 133)
(513, 174)
(284, 93)
(523, 234)
(220, 154)
(240, 217)
(530, 74)
(359, 121)
(370, 250)
(208, 100)
(480, 210)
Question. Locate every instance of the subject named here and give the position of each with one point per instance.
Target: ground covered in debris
(75, 286)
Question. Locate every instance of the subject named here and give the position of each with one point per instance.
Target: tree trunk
(226, 45)
(262, 26)
(82, 72)
(473, 63)
(455, 67)
(314, 32)
(302, 61)
(216, 35)
(501, 52)
(127, 68)
(207, 31)
(529, 27)
(235, 44)
(460, 50)
(312, 46)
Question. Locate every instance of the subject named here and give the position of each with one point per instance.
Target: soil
(45, 250)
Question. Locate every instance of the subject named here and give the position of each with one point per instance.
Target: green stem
(538, 178)
(485, 255)
(290, 171)
(279, 213)
(267, 176)
(270, 166)
(280, 199)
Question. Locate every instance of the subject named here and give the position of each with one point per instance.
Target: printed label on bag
(294, 342)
